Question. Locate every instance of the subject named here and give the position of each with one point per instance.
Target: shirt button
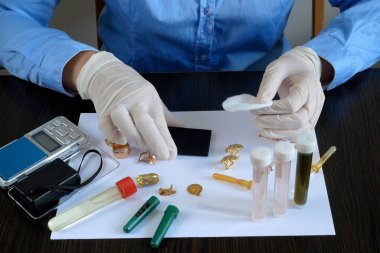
(203, 57)
(206, 11)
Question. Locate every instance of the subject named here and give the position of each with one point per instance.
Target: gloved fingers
(110, 131)
(316, 99)
(162, 126)
(170, 119)
(151, 133)
(307, 91)
(278, 107)
(314, 119)
(320, 101)
(290, 135)
(297, 97)
(121, 118)
(164, 131)
(273, 77)
(288, 121)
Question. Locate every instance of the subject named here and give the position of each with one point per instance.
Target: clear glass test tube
(305, 145)
(123, 189)
(283, 153)
(261, 159)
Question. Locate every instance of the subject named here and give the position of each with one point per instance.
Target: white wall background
(299, 27)
(77, 18)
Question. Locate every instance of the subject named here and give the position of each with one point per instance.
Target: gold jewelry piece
(234, 149)
(228, 161)
(147, 179)
(108, 142)
(166, 192)
(121, 151)
(194, 189)
(147, 158)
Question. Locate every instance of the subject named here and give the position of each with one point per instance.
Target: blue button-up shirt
(173, 36)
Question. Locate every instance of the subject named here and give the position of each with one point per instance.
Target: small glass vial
(261, 159)
(283, 154)
(305, 145)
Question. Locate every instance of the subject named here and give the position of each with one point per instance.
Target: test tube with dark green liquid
(305, 145)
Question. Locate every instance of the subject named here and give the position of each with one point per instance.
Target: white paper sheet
(227, 128)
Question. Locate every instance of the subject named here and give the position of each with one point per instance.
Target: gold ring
(121, 151)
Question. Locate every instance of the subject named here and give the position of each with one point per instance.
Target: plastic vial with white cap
(261, 159)
(305, 145)
(283, 154)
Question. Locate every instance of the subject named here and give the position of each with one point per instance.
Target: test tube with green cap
(171, 213)
(305, 145)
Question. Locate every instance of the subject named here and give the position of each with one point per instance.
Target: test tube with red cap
(123, 189)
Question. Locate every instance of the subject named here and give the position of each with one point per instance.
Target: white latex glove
(128, 106)
(295, 76)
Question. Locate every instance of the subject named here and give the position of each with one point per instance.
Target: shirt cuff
(56, 59)
(327, 47)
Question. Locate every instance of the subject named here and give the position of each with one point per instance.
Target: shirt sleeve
(351, 40)
(29, 49)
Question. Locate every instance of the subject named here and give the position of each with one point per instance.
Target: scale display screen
(46, 141)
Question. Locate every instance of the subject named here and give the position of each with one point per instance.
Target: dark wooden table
(350, 120)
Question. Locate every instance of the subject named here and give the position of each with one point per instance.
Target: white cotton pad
(243, 102)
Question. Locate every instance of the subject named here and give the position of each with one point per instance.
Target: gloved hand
(128, 106)
(295, 76)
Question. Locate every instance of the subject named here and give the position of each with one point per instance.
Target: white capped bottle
(283, 154)
(261, 159)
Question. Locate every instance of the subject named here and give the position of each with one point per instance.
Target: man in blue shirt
(204, 35)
